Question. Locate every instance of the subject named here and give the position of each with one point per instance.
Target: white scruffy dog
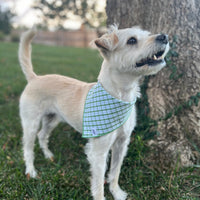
(128, 55)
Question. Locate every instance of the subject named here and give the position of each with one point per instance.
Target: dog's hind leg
(49, 122)
(119, 150)
(30, 128)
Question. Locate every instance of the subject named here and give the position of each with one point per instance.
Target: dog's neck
(123, 86)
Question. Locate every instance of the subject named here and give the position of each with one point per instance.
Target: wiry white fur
(113, 28)
(53, 98)
(25, 54)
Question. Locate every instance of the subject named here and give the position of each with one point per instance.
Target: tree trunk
(173, 93)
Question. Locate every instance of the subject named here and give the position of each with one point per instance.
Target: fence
(79, 38)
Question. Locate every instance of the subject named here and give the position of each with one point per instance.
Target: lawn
(67, 177)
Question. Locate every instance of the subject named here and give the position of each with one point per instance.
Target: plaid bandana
(103, 113)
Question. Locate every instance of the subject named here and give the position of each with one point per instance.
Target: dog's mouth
(153, 60)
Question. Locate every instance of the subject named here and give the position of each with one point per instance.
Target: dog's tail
(25, 54)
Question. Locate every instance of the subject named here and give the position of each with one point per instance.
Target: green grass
(68, 177)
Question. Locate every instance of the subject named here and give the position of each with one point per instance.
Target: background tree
(5, 21)
(174, 93)
(57, 11)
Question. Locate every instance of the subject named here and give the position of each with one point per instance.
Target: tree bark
(179, 138)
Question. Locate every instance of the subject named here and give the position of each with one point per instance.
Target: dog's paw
(48, 155)
(52, 159)
(31, 174)
(118, 193)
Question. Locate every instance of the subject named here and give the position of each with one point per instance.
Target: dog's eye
(132, 41)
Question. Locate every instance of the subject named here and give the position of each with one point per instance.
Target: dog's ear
(106, 43)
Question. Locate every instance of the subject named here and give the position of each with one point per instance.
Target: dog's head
(133, 50)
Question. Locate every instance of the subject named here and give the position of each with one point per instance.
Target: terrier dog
(128, 55)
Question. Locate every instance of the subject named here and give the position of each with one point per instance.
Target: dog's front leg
(97, 151)
(119, 150)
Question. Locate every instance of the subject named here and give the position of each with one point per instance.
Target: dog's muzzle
(157, 57)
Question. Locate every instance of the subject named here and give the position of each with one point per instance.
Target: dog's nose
(162, 38)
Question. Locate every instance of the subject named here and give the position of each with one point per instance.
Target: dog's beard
(154, 62)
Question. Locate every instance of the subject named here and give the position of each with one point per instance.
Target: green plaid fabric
(103, 113)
